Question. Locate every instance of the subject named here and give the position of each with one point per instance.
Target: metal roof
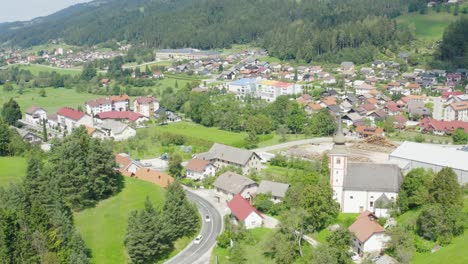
(373, 177)
(432, 154)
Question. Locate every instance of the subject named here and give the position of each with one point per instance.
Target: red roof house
(369, 234)
(120, 115)
(70, 113)
(243, 211)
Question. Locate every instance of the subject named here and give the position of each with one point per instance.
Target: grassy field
(35, 69)
(429, 26)
(253, 249)
(56, 98)
(454, 253)
(103, 227)
(343, 219)
(12, 170)
(428, 138)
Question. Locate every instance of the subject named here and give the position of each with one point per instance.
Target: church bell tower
(338, 164)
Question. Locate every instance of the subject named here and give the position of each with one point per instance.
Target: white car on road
(198, 239)
(207, 218)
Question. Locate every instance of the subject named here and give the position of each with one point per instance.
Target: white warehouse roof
(432, 154)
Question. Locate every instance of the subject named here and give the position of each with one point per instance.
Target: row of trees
(151, 233)
(304, 30)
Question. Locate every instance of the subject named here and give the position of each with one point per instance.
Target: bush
(422, 245)
(279, 160)
(172, 139)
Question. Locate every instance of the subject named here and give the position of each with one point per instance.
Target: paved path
(201, 253)
(294, 143)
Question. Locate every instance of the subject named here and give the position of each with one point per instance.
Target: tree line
(302, 30)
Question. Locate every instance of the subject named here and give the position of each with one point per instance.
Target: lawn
(55, 98)
(410, 136)
(103, 227)
(13, 169)
(35, 69)
(454, 253)
(343, 219)
(253, 248)
(429, 26)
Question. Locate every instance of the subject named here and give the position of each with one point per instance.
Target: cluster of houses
(105, 118)
(267, 90)
(60, 57)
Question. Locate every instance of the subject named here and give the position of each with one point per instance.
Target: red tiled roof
(368, 107)
(145, 100)
(400, 119)
(99, 101)
(369, 130)
(241, 208)
(153, 176)
(197, 165)
(365, 226)
(70, 113)
(446, 126)
(455, 93)
(131, 116)
(120, 98)
(393, 107)
(122, 160)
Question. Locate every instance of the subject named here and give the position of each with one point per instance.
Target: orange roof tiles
(365, 226)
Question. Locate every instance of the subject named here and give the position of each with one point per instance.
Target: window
(338, 161)
(351, 197)
(372, 197)
(371, 204)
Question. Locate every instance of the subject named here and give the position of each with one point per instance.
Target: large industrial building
(410, 155)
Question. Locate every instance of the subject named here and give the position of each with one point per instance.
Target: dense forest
(453, 51)
(306, 30)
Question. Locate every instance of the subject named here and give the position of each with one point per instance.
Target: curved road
(201, 253)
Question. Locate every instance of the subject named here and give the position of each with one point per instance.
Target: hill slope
(289, 29)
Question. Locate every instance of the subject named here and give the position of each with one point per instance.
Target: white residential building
(69, 118)
(244, 212)
(270, 90)
(146, 106)
(198, 169)
(243, 87)
(369, 236)
(35, 115)
(456, 111)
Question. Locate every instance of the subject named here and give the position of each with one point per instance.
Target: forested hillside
(307, 29)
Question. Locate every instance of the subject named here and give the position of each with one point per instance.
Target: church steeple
(339, 140)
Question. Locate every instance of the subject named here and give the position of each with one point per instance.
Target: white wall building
(244, 212)
(369, 236)
(456, 111)
(69, 118)
(243, 87)
(146, 106)
(35, 115)
(357, 186)
(197, 169)
(270, 90)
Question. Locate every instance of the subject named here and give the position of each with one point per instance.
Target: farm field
(13, 170)
(428, 26)
(55, 99)
(103, 227)
(35, 69)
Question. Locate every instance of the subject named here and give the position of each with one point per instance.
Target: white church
(358, 187)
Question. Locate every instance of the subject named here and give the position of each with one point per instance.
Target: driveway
(201, 253)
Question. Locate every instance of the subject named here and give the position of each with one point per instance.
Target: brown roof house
(369, 236)
(221, 156)
(198, 169)
(228, 184)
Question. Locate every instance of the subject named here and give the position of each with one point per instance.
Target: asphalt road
(201, 253)
(294, 143)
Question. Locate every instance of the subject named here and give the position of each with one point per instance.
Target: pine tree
(445, 189)
(11, 112)
(180, 215)
(147, 238)
(5, 139)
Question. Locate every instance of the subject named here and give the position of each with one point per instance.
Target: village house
(115, 130)
(270, 90)
(69, 118)
(228, 184)
(107, 104)
(439, 127)
(369, 235)
(244, 212)
(243, 87)
(126, 165)
(362, 88)
(366, 131)
(357, 186)
(146, 106)
(35, 115)
(456, 111)
(276, 189)
(198, 169)
(123, 116)
(221, 156)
